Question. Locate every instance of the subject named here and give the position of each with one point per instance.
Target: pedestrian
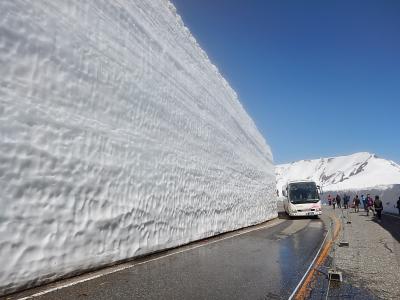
(398, 205)
(356, 204)
(346, 199)
(370, 205)
(364, 202)
(333, 202)
(338, 201)
(378, 205)
(353, 204)
(329, 200)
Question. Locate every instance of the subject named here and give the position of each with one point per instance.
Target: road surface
(262, 262)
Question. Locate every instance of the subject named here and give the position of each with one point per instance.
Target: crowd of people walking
(370, 205)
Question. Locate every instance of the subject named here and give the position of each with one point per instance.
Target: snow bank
(359, 173)
(118, 138)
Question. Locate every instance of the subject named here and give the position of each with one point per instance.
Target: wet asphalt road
(263, 264)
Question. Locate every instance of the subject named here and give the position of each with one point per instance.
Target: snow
(118, 138)
(360, 173)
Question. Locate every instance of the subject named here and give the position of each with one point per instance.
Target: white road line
(118, 269)
(309, 268)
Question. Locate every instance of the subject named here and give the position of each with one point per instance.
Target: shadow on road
(389, 223)
(284, 216)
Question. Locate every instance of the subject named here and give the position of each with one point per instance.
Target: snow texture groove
(118, 138)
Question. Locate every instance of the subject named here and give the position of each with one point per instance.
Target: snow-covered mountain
(359, 172)
(118, 137)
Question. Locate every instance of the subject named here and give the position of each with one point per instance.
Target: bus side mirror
(284, 193)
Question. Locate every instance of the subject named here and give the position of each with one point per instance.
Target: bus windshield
(303, 192)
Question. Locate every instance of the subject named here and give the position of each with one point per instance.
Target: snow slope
(118, 138)
(357, 173)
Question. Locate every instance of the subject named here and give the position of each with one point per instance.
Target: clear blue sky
(319, 78)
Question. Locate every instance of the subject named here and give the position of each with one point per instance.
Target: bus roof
(300, 181)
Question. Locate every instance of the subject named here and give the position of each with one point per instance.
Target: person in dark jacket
(338, 201)
(356, 202)
(346, 199)
(398, 205)
(378, 207)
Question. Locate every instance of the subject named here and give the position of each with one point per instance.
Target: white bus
(301, 198)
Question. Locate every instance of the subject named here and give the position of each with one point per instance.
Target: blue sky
(319, 78)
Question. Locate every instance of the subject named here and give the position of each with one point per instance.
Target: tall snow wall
(118, 138)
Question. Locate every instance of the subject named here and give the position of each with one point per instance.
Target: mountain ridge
(346, 172)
